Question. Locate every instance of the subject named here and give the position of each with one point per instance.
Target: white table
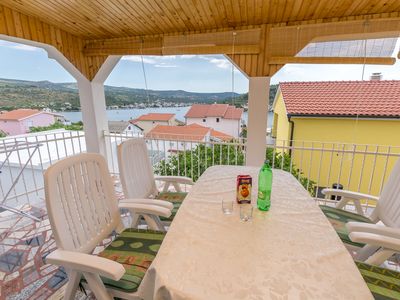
(289, 252)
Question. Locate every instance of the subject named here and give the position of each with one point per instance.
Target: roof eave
(342, 116)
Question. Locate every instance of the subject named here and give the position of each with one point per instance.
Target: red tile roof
(342, 98)
(178, 132)
(192, 132)
(154, 117)
(220, 135)
(214, 133)
(225, 111)
(19, 114)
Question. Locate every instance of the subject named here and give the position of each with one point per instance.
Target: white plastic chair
(137, 177)
(382, 238)
(83, 210)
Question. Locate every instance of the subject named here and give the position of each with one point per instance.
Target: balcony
(25, 233)
(89, 38)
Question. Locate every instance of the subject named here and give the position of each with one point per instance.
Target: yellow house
(340, 132)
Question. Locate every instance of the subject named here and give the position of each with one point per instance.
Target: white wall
(148, 125)
(228, 126)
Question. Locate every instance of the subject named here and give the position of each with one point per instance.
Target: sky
(195, 73)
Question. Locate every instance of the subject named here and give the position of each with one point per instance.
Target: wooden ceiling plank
(17, 25)
(217, 7)
(3, 25)
(192, 14)
(183, 14)
(68, 12)
(296, 9)
(281, 10)
(35, 8)
(354, 6)
(140, 19)
(176, 22)
(236, 13)
(117, 17)
(258, 17)
(33, 28)
(243, 13)
(273, 11)
(205, 9)
(163, 19)
(25, 27)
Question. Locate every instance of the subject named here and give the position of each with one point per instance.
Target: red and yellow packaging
(243, 189)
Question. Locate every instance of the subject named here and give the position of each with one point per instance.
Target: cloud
(18, 46)
(222, 63)
(136, 58)
(156, 61)
(164, 65)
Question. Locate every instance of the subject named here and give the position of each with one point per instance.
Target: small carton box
(243, 189)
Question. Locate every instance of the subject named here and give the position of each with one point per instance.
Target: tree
(193, 163)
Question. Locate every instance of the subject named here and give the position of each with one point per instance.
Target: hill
(242, 99)
(64, 96)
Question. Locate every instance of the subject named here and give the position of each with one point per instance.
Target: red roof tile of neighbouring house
(225, 111)
(192, 132)
(166, 132)
(154, 117)
(213, 133)
(376, 98)
(19, 114)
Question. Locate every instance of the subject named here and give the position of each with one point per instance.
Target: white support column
(93, 106)
(257, 120)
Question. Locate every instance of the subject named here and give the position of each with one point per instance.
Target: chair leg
(380, 256)
(365, 252)
(135, 219)
(97, 287)
(154, 223)
(72, 285)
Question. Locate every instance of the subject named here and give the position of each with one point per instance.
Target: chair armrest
(146, 209)
(374, 229)
(156, 202)
(177, 179)
(88, 263)
(348, 194)
(376, 240)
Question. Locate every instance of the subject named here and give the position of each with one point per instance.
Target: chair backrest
(135, 169)
(81, 202)
(388, 207)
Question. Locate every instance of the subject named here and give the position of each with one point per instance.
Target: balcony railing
(316, 165)
(23, 220)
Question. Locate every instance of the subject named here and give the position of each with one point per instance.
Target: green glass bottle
(264, 187)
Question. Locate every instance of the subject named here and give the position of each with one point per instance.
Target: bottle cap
(266, 162)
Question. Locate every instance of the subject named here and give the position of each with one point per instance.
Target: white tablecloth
(289, 252)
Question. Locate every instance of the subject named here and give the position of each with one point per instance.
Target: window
(30, 124)
(204, 120)
(217, 120)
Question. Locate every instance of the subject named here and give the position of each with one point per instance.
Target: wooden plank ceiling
(267, 34)
(120, 18)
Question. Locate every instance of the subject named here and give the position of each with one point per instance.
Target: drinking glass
(227, 206)
(246, 212)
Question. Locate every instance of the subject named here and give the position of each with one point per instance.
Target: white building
(222, 117)
(124, 127)
(148, 121)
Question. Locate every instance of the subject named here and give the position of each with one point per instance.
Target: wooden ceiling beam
(245, 41)
(331, 60)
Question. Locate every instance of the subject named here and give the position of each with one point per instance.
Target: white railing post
(257, 120)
